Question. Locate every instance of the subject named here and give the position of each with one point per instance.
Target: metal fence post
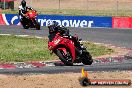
(59, 4)
(117, 7)
(4, 4)
(87, 5)
(31, 3)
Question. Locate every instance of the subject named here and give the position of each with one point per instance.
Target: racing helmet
(23, 3)
(53, 27)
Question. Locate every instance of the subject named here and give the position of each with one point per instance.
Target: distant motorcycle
(30, 20)
(67, 52)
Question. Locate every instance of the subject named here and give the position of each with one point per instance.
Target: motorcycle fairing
(62, 44)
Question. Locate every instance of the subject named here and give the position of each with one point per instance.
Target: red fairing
(59, 40)
(31, 14)
(67, 51)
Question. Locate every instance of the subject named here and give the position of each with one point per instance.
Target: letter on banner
(48, 22)
(65, 23)
(74, 23)
(42, 21)
(90, 23)
(83, 23)
(13, 19)
(58, 21)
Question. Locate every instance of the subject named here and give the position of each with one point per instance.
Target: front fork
(79, 50)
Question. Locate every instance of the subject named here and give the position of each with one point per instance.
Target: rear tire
(63, 58)
(87, 58)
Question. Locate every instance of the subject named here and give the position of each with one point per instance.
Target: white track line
(6, 34)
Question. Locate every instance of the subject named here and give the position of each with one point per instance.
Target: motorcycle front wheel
(66, 59)
(37, 25)
(25, 26)
(24, 23)
(86, 58)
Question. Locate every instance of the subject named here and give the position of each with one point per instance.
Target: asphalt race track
(63, 69)
(117, 37)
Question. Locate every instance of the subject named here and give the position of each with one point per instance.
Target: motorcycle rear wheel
(63, 58)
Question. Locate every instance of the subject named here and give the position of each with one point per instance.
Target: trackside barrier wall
(73, 21)
(68, 21)
(122, 22)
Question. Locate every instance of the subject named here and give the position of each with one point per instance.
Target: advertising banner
(11, 19)
(68, 21)
(76, 21)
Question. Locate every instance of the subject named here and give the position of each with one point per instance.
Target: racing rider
(23, 9)
(55, 28)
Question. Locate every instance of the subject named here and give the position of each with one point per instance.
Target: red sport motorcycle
(30, 20)
(67, 52)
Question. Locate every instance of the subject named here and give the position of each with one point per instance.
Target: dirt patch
(118, 51)
(67, 80)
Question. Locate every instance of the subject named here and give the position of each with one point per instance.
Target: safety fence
(85, 7)
(75, 7)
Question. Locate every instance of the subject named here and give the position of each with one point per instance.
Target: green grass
(18, 49)
(74, 12)
(97, 50)
(8, 11)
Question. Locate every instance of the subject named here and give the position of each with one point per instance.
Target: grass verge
(18, 49)
(74, 12)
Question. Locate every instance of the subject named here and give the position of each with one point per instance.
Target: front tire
(37, 25)
(24, 22)
(25, 26)
(64, 58)
(87, 58)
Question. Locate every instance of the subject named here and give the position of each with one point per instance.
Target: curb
(41, 64)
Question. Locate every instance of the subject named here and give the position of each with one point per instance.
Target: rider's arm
(20, 11)
(30, 8)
